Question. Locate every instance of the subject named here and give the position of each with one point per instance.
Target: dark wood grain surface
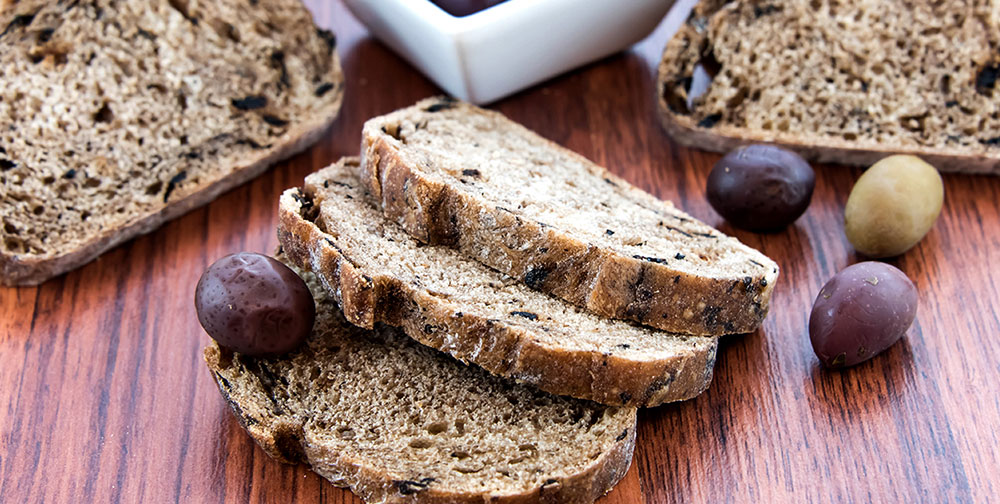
(104, 396)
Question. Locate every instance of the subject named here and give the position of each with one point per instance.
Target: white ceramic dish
(508, 47)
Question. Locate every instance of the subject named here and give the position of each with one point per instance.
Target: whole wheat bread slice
(445, 300)
(839, 82)
(455, 174)
(120, 115)
(399, 422)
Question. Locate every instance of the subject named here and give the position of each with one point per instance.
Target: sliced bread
(441, 298)
(120, 115)
(839, 82)
(451, 173)
(399, 422)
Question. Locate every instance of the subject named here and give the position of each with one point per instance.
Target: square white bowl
(503, 49)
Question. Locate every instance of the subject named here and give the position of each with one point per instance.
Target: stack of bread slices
(492, 310)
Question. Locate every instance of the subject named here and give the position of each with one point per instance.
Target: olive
(254, 304)
(892, 206)
(860, 312)
(761, 187)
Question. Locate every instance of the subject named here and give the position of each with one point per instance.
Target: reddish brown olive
(860, 312)
(254, 304)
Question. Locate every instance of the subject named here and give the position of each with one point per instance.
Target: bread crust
(722, 137)
(277, 436)
(599, 280)
(509, 351)
(32, 269)
(374, 486)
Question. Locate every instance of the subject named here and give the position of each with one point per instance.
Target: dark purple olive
(761, 187)
(254, 304)
(462, 8)
(860, 312)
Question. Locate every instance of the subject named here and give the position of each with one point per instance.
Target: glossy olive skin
(892, 206)
(254, 305)
(761, 187)
(860, 312)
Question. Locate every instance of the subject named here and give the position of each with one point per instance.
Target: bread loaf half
(118, 115)
(839, 82)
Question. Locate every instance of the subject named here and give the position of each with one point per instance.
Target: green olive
(893, 205)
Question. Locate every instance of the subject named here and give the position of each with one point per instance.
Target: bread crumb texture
(111, 111)
(400, 422)
(911, 75)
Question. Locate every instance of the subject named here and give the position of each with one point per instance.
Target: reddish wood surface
(104, 396)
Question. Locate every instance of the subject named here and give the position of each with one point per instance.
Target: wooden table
(104, 396)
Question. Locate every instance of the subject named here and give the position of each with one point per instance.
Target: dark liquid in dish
(462, 8)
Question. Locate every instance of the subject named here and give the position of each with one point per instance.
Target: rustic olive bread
(119, 115)
(451, 173)
(445, 300)
(841, 82)
(399, 422)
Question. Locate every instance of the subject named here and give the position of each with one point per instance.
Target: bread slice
(120, 115)
(399, 422)
(447, 301)
(454, 174)
(839, 82)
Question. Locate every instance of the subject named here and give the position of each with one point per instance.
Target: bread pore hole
(437, 428)
(738, 98)
(104, 114)
(225, 30)
(469, 468)
(181, 6)
(393, 131)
